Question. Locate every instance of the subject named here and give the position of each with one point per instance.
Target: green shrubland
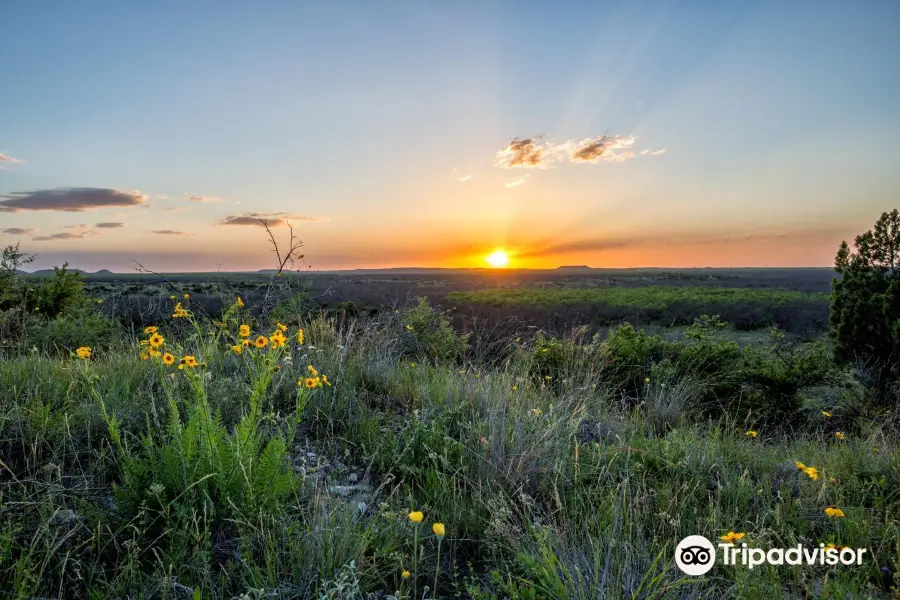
(569, 469)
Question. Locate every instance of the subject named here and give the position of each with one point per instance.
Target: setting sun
(498, 259)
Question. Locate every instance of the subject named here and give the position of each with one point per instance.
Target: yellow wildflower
(261, 342)
(826, 413)
(405, 574)
(144, 356)
(416, 516)
(189, 361)
(277, 339)
(168, 359)
(157, 340)
(150, 330)
(187, 296)
(731, 537)
(752, 433)
(84, 352)
(312, 370)
(154, 352)
(834, 512)
(839, 435)
(812, 473)
(244, 331)
(240, 302)
(246, 343)
(800, 466)
(300, 337)
(438, 529)
(281, 326)
(237, 349)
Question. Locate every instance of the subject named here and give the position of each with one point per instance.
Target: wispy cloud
(110, 225)
(170, 232)
(527, 153)
(9, 159)
(533, 152)
(203, 198)
(18, 231)
(464, 178)
(271, 219)
(511, 183)
(70, 199)
(604, 147)
(662, 241)
(77, 232)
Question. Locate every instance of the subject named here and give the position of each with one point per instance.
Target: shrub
(776, 378)
(426, 333)
(81, 326)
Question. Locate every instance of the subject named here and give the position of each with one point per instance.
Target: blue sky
(738, 133)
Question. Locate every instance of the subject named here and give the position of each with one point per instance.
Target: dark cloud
(70, 199)
(75, 232)
(528, 152)
(110, 225)
(271, 219)
(18, 231)
(65, 235)
(169, 232)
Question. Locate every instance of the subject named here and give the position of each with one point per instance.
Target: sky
(389, 134)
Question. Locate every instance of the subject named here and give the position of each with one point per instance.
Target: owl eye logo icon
(695, 555)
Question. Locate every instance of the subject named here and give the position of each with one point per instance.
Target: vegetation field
(647, 297)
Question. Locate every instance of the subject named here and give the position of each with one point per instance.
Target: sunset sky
(612, 134)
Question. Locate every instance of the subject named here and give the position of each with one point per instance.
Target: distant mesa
(574, 268)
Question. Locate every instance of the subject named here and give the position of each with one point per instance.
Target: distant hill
(51, 272)
(574, 268)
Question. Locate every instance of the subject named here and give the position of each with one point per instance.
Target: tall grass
(550, 486)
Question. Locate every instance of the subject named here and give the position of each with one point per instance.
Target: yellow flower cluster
(314, 379)
(84, 352)
(179, 312)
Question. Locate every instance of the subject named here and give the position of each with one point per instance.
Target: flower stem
(437, 568)
(415, 560)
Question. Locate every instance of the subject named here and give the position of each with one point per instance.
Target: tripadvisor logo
(696, 555)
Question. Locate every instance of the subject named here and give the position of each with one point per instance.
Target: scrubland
(234, 456)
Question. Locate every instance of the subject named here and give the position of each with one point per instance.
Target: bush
(81, 326)
(426, 333)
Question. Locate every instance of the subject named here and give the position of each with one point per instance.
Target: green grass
(124, 477)
(647, 297)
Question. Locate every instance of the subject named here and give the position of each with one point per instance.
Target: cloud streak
(110, 225)
(534, 152)
(271, 219)
(70, 199)
(203, 198)
(9, 159)
(169, 232)
(77, 232)
(18, 231)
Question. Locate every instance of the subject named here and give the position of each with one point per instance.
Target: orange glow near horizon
(498, 259)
